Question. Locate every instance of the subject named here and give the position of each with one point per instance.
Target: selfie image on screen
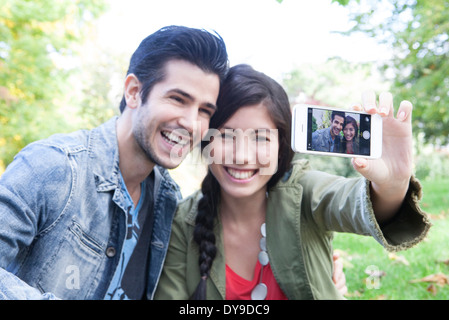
(338, 132)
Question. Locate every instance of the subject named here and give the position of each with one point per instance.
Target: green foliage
(432, 166)
(99, 82)
(418, 32)
(333, 165)
(336, 82)
(314, 125)
(342, 2)
(34, 37)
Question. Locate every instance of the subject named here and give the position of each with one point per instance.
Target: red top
(238, 288)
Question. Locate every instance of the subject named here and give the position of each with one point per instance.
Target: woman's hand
(389, 175)
(338, 276)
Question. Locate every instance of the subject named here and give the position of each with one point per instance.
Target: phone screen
(338, 132)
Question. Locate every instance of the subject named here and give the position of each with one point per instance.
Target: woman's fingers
(386, 104)
(405, 111)
(369, 102)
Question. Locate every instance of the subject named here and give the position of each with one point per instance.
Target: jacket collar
(103, 146)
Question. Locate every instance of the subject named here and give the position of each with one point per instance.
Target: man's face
(337, 125)
(176, 114)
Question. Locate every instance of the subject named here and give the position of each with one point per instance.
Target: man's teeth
(174, 139)
(239, 174)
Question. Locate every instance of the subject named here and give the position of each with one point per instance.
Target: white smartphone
(336, 132)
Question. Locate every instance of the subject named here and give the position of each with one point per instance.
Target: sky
(272, 37)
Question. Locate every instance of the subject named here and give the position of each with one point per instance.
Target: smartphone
(336, 132)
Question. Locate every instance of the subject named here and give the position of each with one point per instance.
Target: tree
(336, 82)
(418, 33)
(97, 83)
(36, 39)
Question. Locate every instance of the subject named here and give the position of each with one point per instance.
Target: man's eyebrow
(182, 93)
(211, 106)
(191, 98)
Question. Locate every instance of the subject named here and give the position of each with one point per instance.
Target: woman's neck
(242, 219)
(244, 210)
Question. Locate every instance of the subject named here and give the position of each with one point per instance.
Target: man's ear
(132, 91)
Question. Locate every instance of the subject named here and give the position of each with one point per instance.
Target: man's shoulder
(66, 141)
(80, 139)
(321, 133)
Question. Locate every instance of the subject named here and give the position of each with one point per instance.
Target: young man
(88, 215)
(328, 139)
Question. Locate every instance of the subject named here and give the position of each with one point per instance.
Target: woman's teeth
(174, 139)
(240, 174)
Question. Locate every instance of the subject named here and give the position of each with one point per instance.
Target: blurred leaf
(432, 289)
(397, 258)
(438, 278)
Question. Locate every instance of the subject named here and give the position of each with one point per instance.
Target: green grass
(427, 258)
(436, 196)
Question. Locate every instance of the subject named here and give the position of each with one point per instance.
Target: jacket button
(110, 252)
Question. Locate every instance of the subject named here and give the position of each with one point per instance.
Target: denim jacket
(63, 218)
(322, 141)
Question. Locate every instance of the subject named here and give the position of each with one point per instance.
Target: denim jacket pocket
(85, 239)
(72, 268)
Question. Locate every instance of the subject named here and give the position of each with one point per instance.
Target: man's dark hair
(197, 46)
(337, 113)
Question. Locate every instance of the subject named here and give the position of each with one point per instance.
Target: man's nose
(189, 118)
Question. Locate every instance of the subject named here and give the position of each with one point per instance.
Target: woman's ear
(132, 91)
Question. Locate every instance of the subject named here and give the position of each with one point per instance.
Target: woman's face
(349, 132)
(245, 151)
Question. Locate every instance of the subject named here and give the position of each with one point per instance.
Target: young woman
(261, 226)
(349, 143)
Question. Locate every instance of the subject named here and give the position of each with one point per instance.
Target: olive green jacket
(303, 211)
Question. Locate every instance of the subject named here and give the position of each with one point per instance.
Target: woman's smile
(242, 175)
